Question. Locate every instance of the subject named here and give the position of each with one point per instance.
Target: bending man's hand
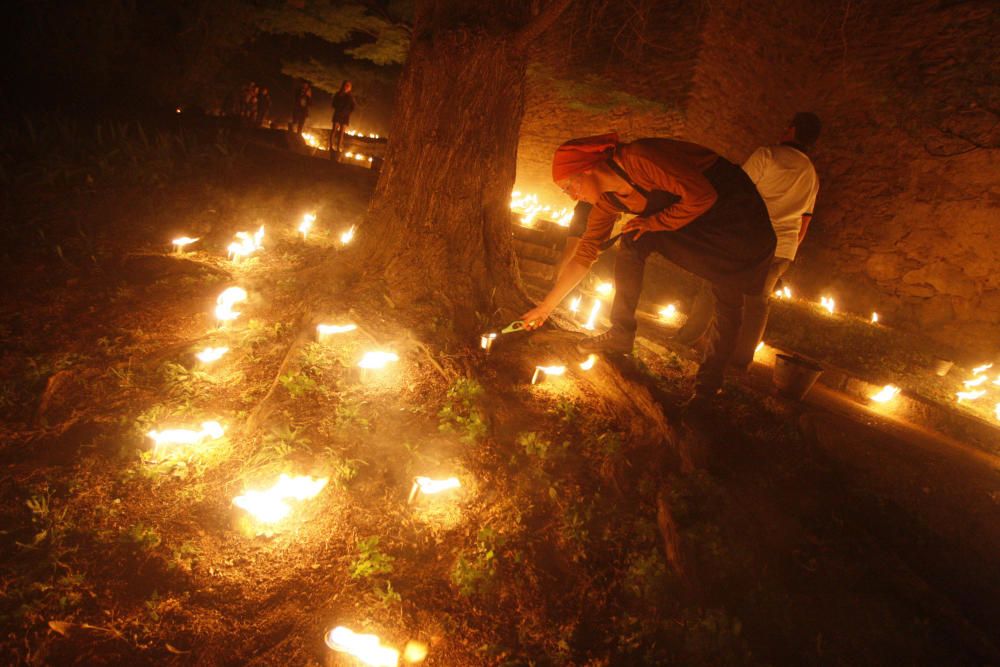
(536, 317)
(638, 225)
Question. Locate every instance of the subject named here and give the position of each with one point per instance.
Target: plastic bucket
(795, 376)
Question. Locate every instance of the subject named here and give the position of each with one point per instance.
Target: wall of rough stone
(908, 90)
(907, 219)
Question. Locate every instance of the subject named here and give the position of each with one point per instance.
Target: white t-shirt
(787, 182)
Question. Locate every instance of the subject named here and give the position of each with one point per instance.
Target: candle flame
(886, 393)
(328, 329)
(564, 217)
(377, 359)
(307, 222)
(366, 648)
(547, 370)
(589, 363)
(976, 381)
(592, 320)
(827, 303)
(210, 430)
(574, 304)
(429, 486)
(486, 340)
(224, 304)
(347, 236)
(269, 506)
(669, 312)
(787, 292)
(210, 354)
(997, 411)
(874, 317)
(312, 141)
(970, 395)
(982, 369)
(246, 244)
(605, 289)
(182, 241)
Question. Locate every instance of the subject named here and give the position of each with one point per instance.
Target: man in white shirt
(787, 182)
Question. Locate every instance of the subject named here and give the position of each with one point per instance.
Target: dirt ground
(790, 538)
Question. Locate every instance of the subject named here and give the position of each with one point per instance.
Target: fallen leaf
(62, 627)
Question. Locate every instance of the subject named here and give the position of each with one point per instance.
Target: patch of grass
(461, 413)
(142, 537)
(475, 570)
(371, 561)
(537, 446)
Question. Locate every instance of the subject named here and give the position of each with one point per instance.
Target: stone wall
(908, 92)
(906, 222)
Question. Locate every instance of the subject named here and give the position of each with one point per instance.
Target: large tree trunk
(438, 230)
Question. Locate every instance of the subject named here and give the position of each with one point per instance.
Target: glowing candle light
(347, 236)
(669, 313)
(787, 292)
(975, 382)
(246, 244)
(543, 372)
(210, 430)
(414, 652)
(982, 369)
(183, 241)
(564, 217)
(592, 320)
(270, 506)
(486, 341)
(428, 486)
(330, 329)
(997, 411)
(377, 360)
(970, 395)
(589, 363)
(210, 354)
(760, 346)
(224, 303)
(366, 648)
(997, 381)
(574, 304)
(874, 317)
(605, 289)
(886, 394)
(827, 303)
(307, 222)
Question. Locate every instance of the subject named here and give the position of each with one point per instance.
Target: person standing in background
(343, 105)
(787, 182)
(303, 98)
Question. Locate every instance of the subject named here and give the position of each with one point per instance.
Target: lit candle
(970, 395)
(544, 372)
(874, 318)
(329, 329)
(886, 394)
(270, 506)
(366, 648)
(589, 363)
(827, 303)
(307, 221)
(669, 313)
(224, 303)
(428, 486)
(592, 320)
(377, 360)
(210, 430)
(486, 341)
(605, 289)
(347, 236)
(210, 354)
(181, 242)
(982, 369)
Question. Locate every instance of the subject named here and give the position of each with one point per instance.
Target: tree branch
(530, 32)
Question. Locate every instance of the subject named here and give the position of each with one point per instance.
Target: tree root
(263, 409)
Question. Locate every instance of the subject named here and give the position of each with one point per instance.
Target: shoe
(613, 341)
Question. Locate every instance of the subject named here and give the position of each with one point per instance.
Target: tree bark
(438, 231)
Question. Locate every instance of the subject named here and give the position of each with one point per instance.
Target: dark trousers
(755, 312)
(721, 338)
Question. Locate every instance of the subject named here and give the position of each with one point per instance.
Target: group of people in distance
(736, 228)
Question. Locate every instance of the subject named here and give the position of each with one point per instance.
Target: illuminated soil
(803, 537)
